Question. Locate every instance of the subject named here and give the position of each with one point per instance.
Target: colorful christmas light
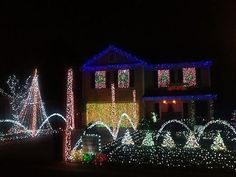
(189, 77)
(163, 78)
(100, 79)
(69, 115)
(123, 78)
(101, 111)
(113, 106)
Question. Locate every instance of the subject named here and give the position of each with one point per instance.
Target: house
(116, 84)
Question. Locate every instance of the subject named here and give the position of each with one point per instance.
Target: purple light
(183, 97)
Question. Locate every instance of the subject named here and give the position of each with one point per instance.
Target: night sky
(53, 36)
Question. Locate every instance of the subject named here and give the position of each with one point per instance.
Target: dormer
(112, 58)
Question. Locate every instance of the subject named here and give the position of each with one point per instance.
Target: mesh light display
(102, 112)
(123, 78)
(100, 79)
(127, 139)
(168, 142)
(148, 140)
(189, 77)
(163, 78)
(218, 143)
(191, 142)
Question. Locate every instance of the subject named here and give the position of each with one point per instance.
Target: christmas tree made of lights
(148, 140)
(233, 119)
(191, 142)
(168, 141)
(127, 139)
(218, 143)
(32, 113)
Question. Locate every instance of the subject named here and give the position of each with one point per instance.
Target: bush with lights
(100, 159)
(87, 158)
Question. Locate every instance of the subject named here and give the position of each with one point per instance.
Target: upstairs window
(189, 77)
(123, 78)
(163, 78)
(100, 79)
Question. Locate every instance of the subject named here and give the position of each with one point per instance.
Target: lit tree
(191, 142)
(168, 141)
(148, 140)
(233, 119)
(27, 105)
(127, 139)
(218, 143)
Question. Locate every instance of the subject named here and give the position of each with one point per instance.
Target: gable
(112, 56)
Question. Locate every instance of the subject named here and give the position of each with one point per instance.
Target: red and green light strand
(123, 78)
(100, 79)
(163, 78)
(189, 77)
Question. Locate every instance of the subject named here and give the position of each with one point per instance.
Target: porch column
(211, 109)
(192, 111)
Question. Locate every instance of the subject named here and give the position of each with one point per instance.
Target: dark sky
(35, 34)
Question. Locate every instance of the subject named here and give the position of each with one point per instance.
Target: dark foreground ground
(70, 170)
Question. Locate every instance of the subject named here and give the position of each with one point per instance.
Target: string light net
(163, 78)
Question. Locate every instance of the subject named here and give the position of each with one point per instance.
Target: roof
(133, 61)
(183, 97)
(198, 64)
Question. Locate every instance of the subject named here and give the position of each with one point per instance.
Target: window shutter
(131, 72)
(108, 79)
(198, 77)
(180, 76)
(172, 76)
(115, 78)
(155, 78)
(92, 80)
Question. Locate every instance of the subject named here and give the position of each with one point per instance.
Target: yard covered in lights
(175, 157)
(213, 148)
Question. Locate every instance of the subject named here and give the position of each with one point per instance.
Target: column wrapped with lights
(69, 115)
(34, 92)
(113, 107)
(192, 111)
(135, 117)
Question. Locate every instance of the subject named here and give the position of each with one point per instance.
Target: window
(163, 78)
(100, 79)
(189, 77)
(123, 78)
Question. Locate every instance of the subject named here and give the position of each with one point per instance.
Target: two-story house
(172, 91)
